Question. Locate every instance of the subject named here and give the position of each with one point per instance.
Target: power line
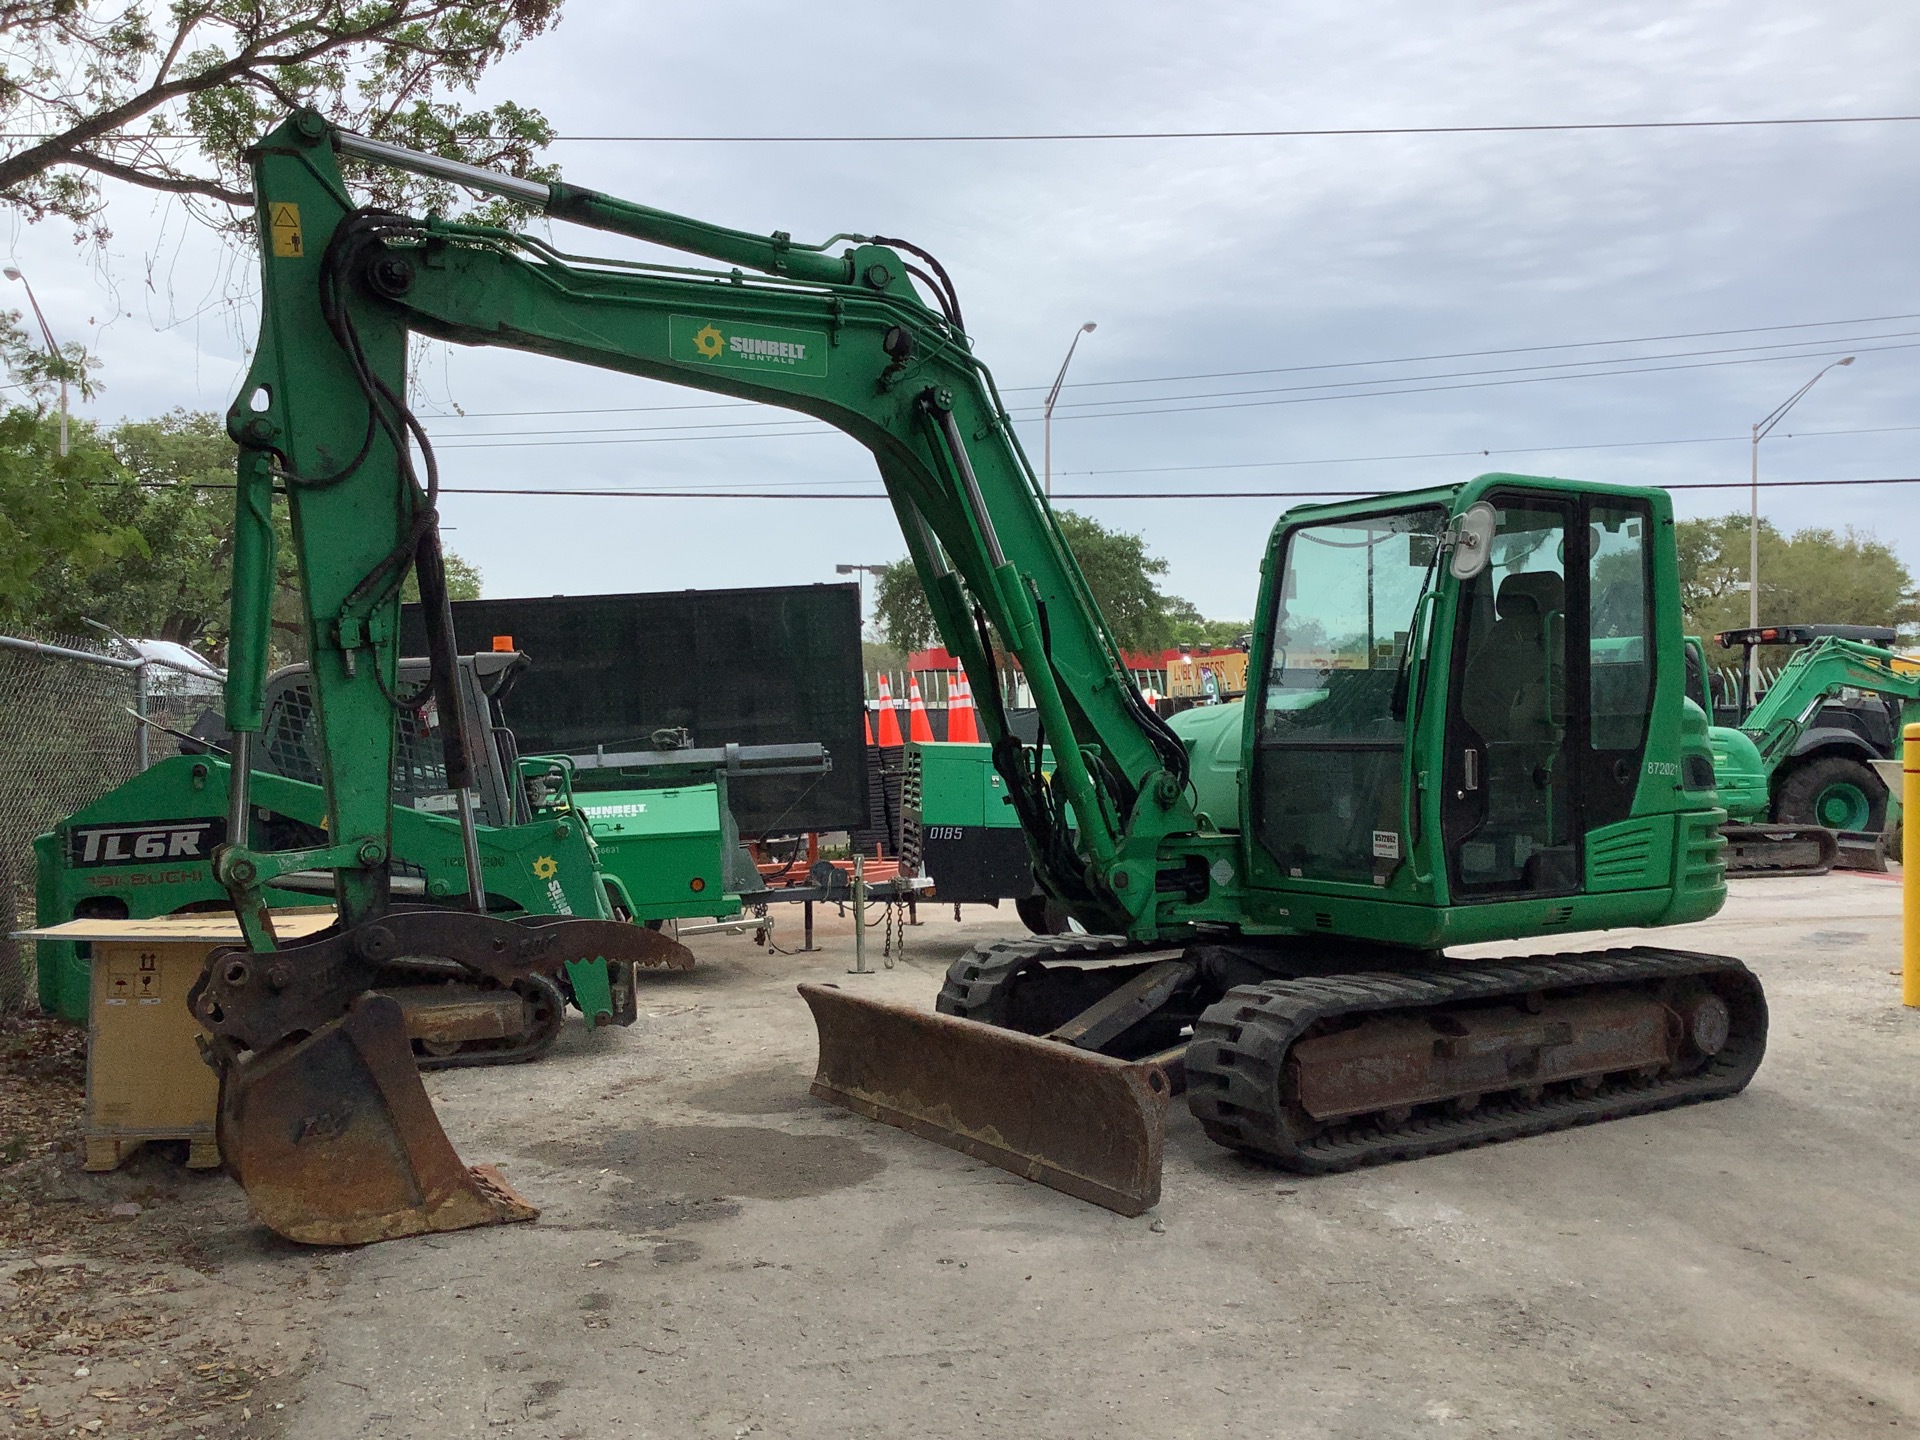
(1161, 405)
(1485, 354)
(1277, 370)
(1033, 137)
(550, 493)
(1502, 450)
(1843, 342)
(1318, 133)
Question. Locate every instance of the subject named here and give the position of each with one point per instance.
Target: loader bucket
(1083, 1123)
(335, 1141)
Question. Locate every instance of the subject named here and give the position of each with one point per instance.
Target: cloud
(1194, 257)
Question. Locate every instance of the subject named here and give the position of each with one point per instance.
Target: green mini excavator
(1466, 724)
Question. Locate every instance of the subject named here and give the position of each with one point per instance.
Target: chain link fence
(69, 732)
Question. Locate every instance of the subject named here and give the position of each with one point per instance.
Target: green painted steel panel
(667, 847)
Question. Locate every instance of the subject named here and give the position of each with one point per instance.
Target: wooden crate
(145, 1078)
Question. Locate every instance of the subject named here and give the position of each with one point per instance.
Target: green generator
(661, 845)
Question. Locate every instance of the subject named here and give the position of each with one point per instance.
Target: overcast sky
(1195, 257)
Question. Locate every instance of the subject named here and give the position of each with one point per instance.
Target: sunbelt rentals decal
(730, 345)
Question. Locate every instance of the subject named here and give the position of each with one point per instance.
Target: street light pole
(13, 272)
(1761, 429)
(1053, 395)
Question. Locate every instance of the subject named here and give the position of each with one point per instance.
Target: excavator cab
(1469, 721)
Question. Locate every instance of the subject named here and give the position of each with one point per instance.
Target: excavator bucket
(336, 1143)
(1083, 1123)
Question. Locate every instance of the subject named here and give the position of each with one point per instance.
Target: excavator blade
(1084, 1123)
(335, 1141)
(1780, 849)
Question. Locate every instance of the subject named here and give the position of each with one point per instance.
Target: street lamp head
(1847, 361)
(12, 272)
(845, 569)
(1088, 328)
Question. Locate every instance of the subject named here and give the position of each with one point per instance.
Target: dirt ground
(720, 1255)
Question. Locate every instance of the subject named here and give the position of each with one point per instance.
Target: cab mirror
(1472, 541)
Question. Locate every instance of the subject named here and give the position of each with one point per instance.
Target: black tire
(1807, 795)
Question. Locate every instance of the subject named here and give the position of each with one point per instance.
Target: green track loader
(146, 847)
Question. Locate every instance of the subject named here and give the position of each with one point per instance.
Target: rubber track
(1240, 1044)
(550, 1014)
(973, 981)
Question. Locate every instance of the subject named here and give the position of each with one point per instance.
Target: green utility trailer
(1797, 776)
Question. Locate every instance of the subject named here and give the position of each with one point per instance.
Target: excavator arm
(844, 338)
(323, 1118)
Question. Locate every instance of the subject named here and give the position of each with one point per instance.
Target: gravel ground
(720, 1255)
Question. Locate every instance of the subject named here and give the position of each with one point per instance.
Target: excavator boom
(323, 421)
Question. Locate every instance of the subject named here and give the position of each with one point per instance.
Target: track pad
(1083, 1123)
(335, 1141)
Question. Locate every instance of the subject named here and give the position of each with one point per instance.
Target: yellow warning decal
(286, 230)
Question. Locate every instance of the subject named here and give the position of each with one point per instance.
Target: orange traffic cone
(866, 718)
(960, 721)
(889, 727)
(918, 726)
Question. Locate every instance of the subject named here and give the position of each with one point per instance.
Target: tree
(35, 369)
(1813, 575)
(1190, 627)
(171, 485)
(158, 494)
(900, 609)
(170, 98)
(52, 525)
(1119, 571)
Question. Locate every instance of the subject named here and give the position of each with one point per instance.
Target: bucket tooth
(1083, 1123)
(335, 1141)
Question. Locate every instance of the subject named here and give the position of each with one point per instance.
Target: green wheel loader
(1797, 776)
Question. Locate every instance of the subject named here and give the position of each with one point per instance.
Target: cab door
(1551, 688)
(1509, 792)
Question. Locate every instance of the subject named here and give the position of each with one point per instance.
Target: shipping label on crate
(144, 842)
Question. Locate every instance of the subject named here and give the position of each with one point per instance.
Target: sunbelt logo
(703, 341)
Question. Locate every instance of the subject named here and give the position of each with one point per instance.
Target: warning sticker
(1386, 845)
(134, 978)
(285, 224)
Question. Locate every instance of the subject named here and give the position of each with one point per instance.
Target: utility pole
(1761, 429)
(13, 272)
(1053, 395)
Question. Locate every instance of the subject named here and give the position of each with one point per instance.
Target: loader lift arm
(1830, 664)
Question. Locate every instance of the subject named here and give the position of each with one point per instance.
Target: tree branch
(172, 184)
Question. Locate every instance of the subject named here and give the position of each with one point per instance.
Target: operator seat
(1512, 695)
